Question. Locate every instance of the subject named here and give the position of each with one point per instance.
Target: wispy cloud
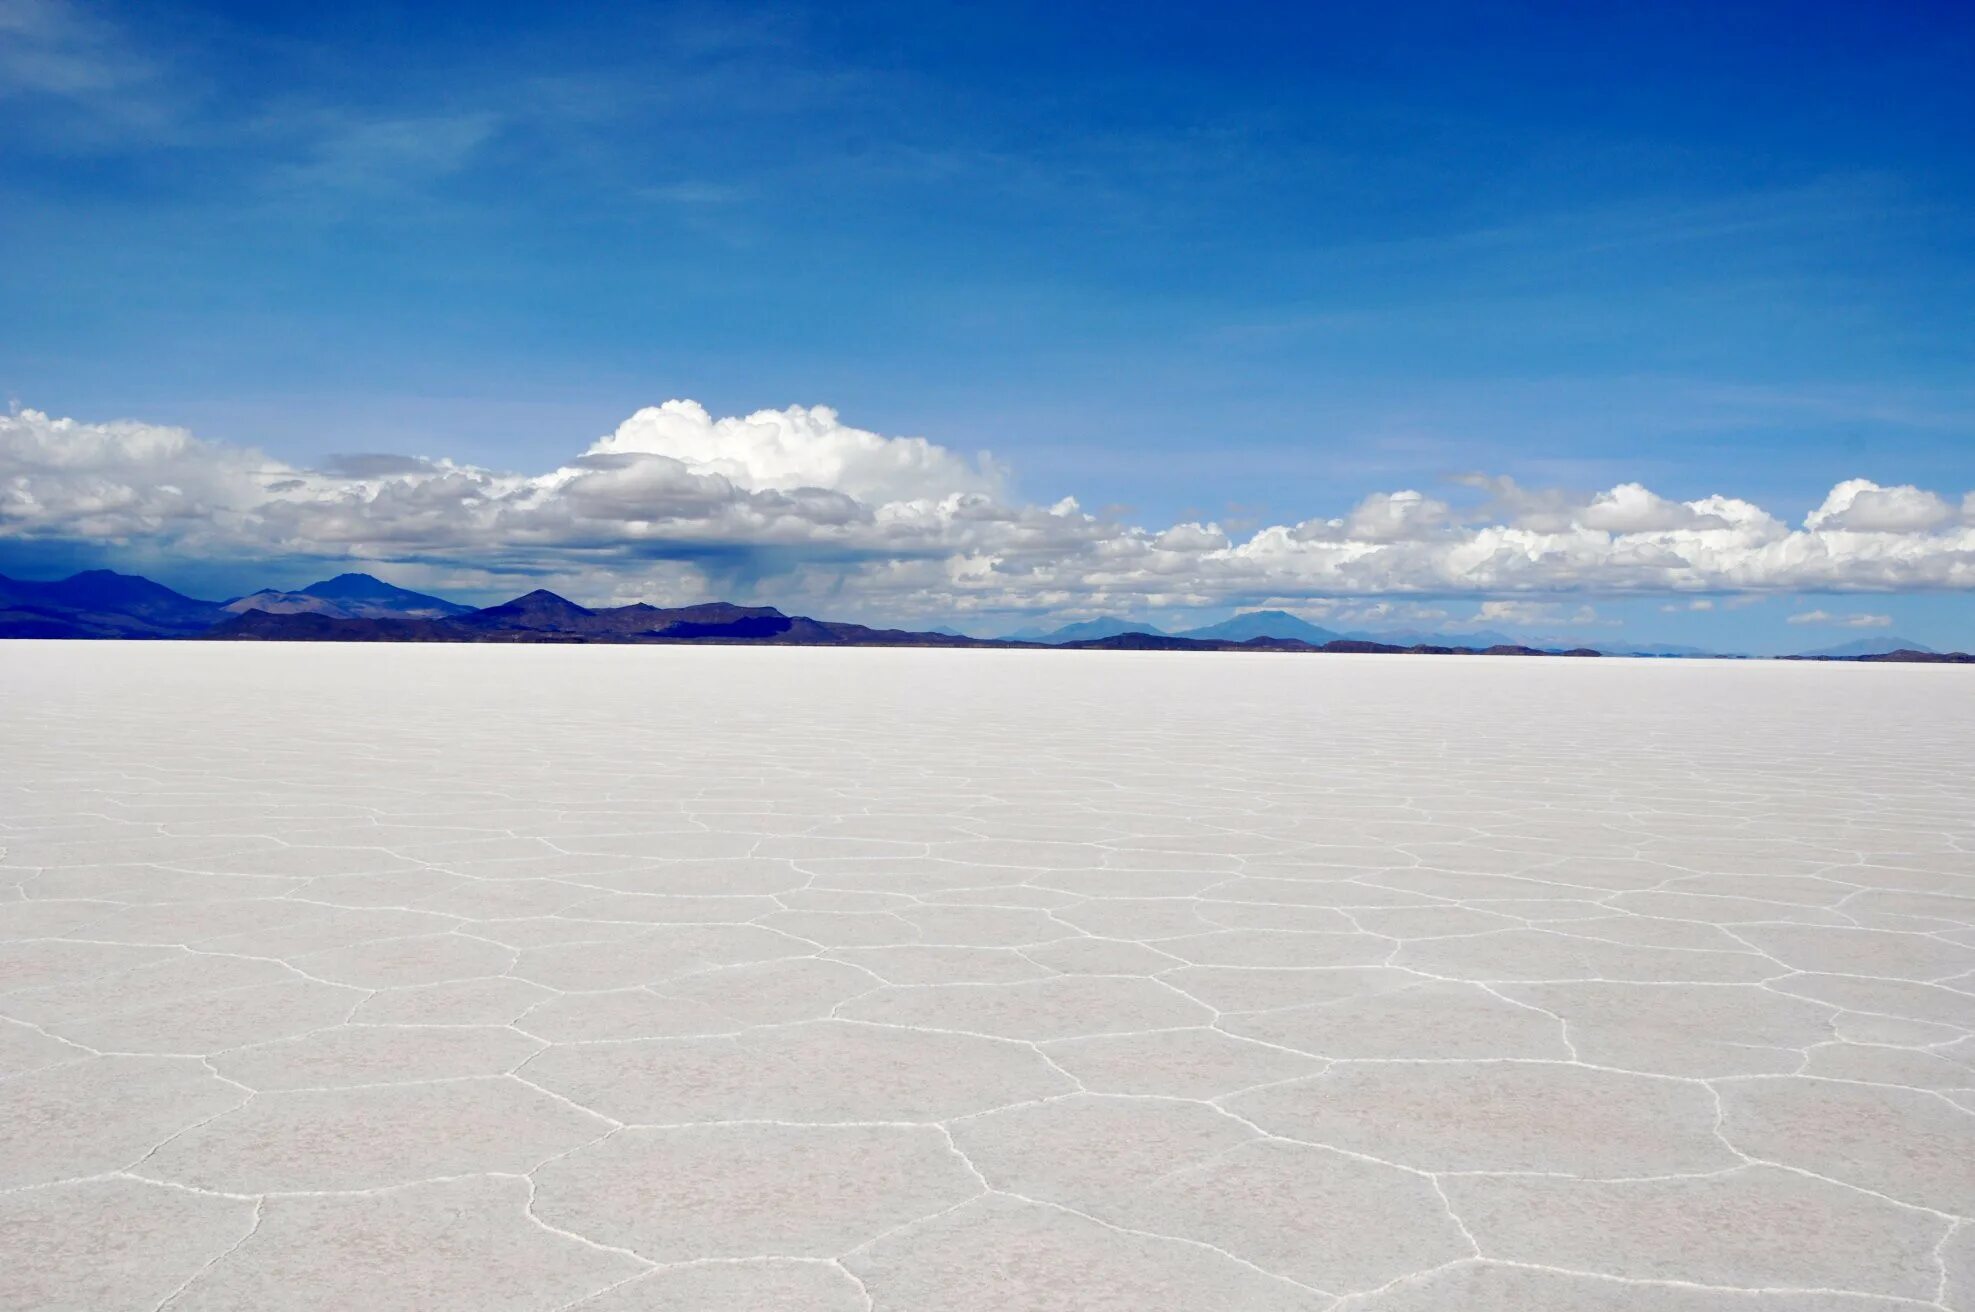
(1855, 620)
(71, 78)
(347, 156)
(51, 47)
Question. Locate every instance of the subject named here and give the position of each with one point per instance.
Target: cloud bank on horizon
(677, 505)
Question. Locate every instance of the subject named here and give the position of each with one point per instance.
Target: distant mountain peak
(108, 582)
(543, 597)
(349, 583)
(1251, 624)
(367, 594)
(538, 609)
(1103, 626)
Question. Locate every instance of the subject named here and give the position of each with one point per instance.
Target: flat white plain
(723, 978)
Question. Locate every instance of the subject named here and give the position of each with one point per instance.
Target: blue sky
(1242, 265)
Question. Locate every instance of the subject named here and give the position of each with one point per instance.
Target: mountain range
(1282, 624)
(1104, 626)
(361, 608)
(1869, 647)
(1248, 624)
(1252, 624)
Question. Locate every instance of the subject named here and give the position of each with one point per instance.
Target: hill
(1904, 656)
(1104, 626)
(276, 602)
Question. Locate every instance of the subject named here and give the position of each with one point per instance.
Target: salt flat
(634, 978)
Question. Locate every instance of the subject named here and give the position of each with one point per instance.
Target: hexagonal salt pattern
(746, 979)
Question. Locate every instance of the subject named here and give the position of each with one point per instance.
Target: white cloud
(1851, 621)
(1632, 508)
(1522, 612)
(347, 160)
(910, 527)
(1513, 612)
(1396, 517)
(72, 80)
(1862, 506)
(1192, 538)
(801, 447)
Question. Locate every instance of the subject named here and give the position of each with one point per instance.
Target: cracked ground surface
(661, 978)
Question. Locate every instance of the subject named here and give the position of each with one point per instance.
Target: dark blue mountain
(361, 593)
(540, 610)
(101, 603)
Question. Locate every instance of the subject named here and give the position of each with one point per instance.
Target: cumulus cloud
(1192, 539)
(1862, 506)
(907, 526)
(801, 447)
(1396, 517)
(1632, 508)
